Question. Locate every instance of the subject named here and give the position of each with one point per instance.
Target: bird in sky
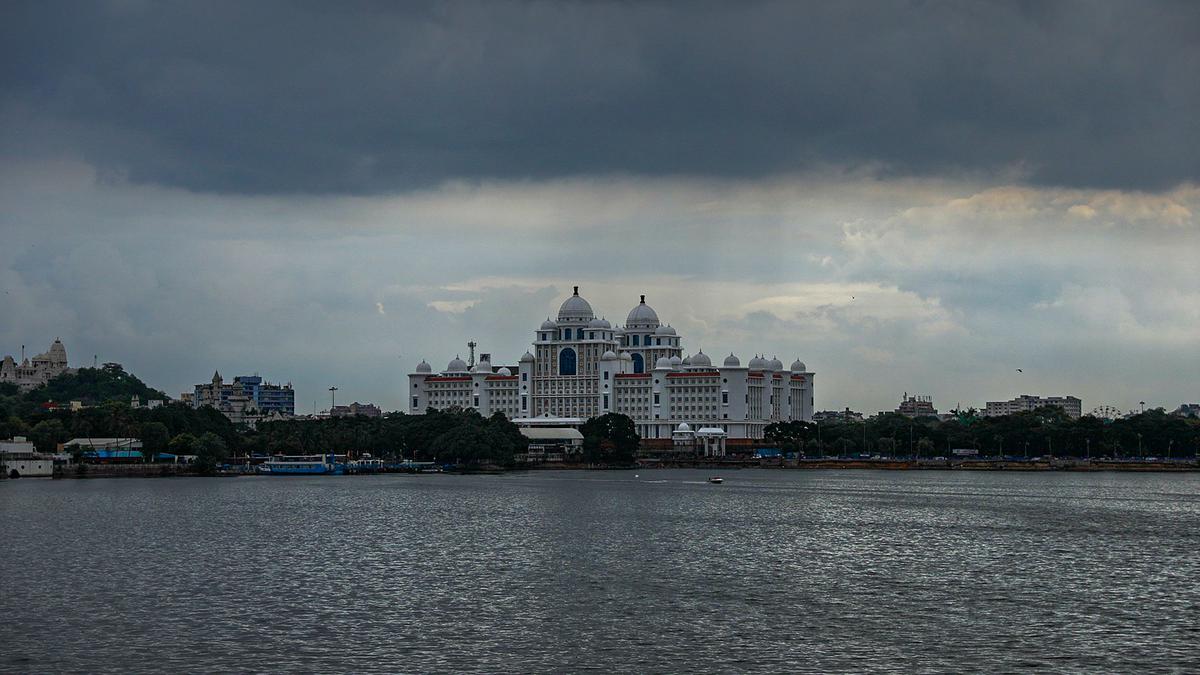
(1019, 370)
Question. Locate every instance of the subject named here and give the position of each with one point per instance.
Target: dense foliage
(452, 436)
(610, 439)
(110, 382)
(1043, 432)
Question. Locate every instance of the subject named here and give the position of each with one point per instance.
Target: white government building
(582, 367)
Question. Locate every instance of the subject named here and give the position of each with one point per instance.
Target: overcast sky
(909, 196)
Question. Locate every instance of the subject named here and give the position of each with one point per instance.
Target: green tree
(47, 434)
(154, 436)
(210, 451)
(611, 438)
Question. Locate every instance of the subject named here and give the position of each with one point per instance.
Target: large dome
(642, 316)
(575, 308)
(456, 365)
(701, 359)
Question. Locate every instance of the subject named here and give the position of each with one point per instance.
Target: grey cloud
(269, 97)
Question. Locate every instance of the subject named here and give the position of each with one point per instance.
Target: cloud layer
(268, 97)
(880, 285)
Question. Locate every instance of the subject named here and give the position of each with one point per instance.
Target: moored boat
(716, 479)
(303, 465)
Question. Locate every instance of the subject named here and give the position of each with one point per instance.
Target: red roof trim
(629, 375)
(712, 374)
(500, 377)
(798, 377)
(447, 379)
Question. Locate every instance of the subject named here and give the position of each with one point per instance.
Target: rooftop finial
(643, 299)
(576, 290)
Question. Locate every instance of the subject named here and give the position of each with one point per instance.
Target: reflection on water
(565, 571)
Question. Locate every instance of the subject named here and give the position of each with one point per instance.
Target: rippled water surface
(571, 571)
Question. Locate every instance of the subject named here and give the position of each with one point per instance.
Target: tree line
(1043, 432)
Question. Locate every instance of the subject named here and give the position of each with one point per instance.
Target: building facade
(581, 366)
(917, 405)
(247, 398)
(31, 374)
(1072, 406)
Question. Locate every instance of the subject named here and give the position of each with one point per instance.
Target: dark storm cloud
(260, 97)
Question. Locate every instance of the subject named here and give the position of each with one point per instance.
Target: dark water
(571, 571)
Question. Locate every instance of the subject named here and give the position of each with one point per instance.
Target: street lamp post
(1140, 447)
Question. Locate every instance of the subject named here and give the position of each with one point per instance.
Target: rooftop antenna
(95, 360)
(472, 345)
(332, 399)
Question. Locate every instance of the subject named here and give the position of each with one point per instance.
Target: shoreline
(1068, 465)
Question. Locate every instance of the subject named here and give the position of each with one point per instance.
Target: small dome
(642, 316)
(527, 358)
(701, 359)
(676, 362)
(683, 426)
(456, 365)
(775, 364)
(687, 360)
(609, 355)
(732, 361)
(757, 363)
(663, 362)
(548, 324)
(599, 323)
(799, 367)
(423, 367)
(664, 330)
(504, 371)
(625, 356)
(575, 309)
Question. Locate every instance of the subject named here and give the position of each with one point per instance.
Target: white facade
(582, 367)
(29, 375)
(1072, 406)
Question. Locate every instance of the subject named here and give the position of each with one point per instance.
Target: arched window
(566, 362)
(639, 366)
(566, 333)
(635, 343)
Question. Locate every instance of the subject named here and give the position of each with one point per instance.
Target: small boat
(716, 479)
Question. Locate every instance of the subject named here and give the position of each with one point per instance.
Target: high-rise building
(247, 396)
(582, 366)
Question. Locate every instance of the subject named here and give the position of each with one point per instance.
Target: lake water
(814, 571)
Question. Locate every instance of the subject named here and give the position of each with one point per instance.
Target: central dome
(575, 308)
(642, 316)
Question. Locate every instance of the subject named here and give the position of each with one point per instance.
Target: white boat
(716, 479)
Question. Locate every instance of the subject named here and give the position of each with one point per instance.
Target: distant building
(846, 415)
(355, 409)
(1187, 410)
(246, 399)
(582, 366)
(29, 375)
(107, 450)
(1072, 406)
(917, 405)
(19, 459)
